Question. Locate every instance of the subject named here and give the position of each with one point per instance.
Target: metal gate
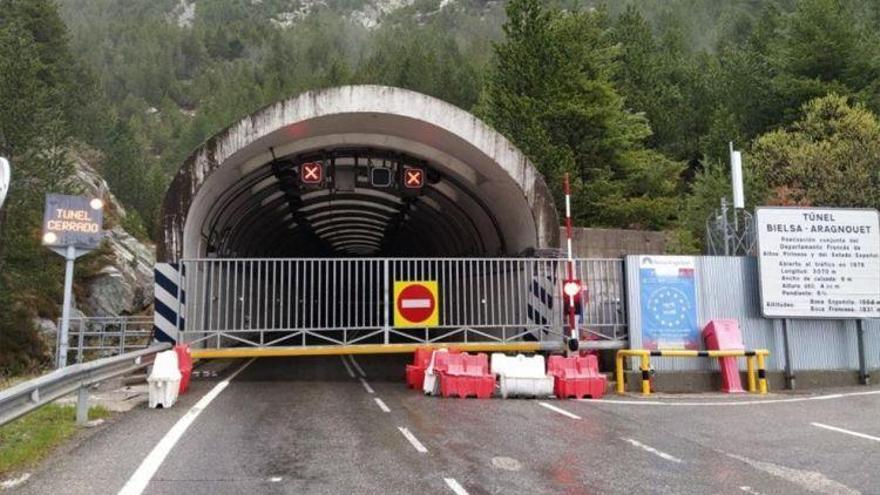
(348, 301)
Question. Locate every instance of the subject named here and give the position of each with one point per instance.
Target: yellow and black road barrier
(752, 357)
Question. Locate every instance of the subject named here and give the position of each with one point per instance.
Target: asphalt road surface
(319, 425)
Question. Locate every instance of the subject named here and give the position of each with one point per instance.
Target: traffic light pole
(572, 323)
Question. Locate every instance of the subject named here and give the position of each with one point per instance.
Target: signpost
(72, 227)
(416, 304)
(5, 176)
(819, 262)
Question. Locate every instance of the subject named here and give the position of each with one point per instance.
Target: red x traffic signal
(413, 178)
(311, 173)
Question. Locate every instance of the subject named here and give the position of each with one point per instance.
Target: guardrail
(34, 394)
(645, 355)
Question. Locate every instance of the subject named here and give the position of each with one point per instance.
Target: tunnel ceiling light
(263, 184)
(353, 235)
(272, 197)
(349, 213)
(350, 220)
(358, 191)
(347, 202)
(350, 227)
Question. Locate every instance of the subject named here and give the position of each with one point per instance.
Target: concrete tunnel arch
(238, 194)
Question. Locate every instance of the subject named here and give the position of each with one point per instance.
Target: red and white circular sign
(416, 303)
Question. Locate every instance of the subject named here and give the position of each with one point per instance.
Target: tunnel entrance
(242, 194)
(291, 228)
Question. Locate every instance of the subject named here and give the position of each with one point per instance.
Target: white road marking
(141, 478)
(648, 448)
(730, 402)
(14, 482)
(357, 366)
(367, 386)
(560, 411)
(382, 405)
(275, 479)
(413, 440)
(809, 481)
(847, 432)
(347, 367)
(749, 490)
(455, 486)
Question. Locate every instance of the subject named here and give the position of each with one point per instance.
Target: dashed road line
(455, 486)
(413, 440)
(750, 490)
(141, 478)
(652, 450)
(347, 367)
(846, 432)
(357, 366)
(381, 404)
(367, 386)
(12, 483)
(559, 410)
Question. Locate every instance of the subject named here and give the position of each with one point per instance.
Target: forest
(637, 100)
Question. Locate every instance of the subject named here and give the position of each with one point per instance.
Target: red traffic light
(572, 288)
(311, 173)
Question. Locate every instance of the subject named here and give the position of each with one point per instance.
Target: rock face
(124, 284)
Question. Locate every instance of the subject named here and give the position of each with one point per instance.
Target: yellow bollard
(619, 373)
(645, 365)
(762, 375)
(750, 367)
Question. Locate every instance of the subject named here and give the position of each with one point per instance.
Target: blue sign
(667, 291)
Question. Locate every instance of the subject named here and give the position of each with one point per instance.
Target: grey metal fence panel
(727, 287)
(262, 302)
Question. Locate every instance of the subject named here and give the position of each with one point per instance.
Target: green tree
(551, 92)
(828, 157)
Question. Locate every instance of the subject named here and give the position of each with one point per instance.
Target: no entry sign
(416, 304)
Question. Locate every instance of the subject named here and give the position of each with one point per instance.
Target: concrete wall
(614, 243)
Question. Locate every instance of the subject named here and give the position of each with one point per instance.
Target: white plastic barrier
(521, 375)
(164, 380)
(432, 384)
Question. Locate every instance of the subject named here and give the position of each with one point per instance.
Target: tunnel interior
(358, 202)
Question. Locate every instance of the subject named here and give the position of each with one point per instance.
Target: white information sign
(819, 262)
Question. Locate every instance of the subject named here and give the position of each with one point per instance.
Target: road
(318, 425)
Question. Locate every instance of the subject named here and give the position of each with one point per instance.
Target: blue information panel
(669, 303)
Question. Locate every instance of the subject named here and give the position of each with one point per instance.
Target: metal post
(572, 325)
(69, 257)
(726, 227)
(864, 377)
(386, 287)
(82, 406)
(789, 372)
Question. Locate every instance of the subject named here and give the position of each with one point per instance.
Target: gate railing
(344, 301)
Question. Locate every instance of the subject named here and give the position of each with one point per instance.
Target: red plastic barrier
(185, 364)
(415, 372)
(577, 377)
(466, 375)
(725, 334)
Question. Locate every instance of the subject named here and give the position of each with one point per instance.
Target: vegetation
(27, 440)
(636, 99)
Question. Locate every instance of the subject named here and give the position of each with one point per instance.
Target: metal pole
(789, 373)
(82, 406)
(725, 226)
(864, 377)
(573, 333)
(70, 257)
(386, 286)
